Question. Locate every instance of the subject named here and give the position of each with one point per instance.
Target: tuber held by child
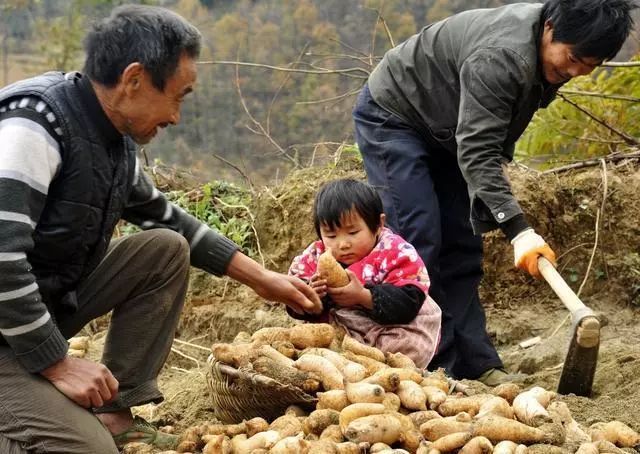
(384, 302)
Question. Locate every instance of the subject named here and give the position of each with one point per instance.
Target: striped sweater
(30, 159)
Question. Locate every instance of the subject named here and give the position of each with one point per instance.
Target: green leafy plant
(562, 133)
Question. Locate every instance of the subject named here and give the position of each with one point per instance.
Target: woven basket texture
(240, 394)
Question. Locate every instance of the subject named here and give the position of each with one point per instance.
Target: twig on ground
(612, 158)
(189, 344)
(179, 353)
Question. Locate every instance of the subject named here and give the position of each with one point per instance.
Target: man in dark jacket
(68, 174)
(438, 119)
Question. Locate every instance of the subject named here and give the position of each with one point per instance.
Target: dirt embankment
(563, 208)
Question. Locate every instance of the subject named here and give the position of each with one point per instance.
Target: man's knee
(168, 247)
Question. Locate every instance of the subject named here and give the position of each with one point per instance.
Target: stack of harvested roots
(371, 402)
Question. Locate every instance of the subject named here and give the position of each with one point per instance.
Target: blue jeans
(426, 201)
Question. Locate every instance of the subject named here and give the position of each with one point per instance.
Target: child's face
(352, 241)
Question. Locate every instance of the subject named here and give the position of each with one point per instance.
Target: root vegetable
(335, 399)
(435, 396)
(411, 395)
(352, 345)
(454, 405)
(477, 445)
(436, 382)
(219, 444)
(355, 411)
(311, 335)
(391, 402)
(76, 353)
(330, 376)
(286, 426)
(271, 334)
(494, 405)
(352, 371)
(575, 435)
(507, 391)
(520, 449)
(263, 440)
(605, 446)
(410, 436)
(530, 406)
(256, 425)
(322, 447)
(615, 432)
(236, 355)
(452, 441)
(295, 410)
(285, 347)
(497, 428)
(230, 430)
(371, 365)
(291, 445)
(333, 433)
(505, 447)
(271, 353)
(399, 360)
(381, 428)
(348, 447)
(319, 420)
(420, 417)
(330, 270)
(364, 392)
(378, 447)
(79, 343)
(286, 375)
(386, 378)
(588, 448)
(438, 428)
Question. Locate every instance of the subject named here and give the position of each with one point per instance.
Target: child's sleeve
(395, 305)
(398, 299)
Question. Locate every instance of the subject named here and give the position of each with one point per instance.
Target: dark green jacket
(472, 82)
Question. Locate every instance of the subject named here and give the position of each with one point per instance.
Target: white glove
(527, 247)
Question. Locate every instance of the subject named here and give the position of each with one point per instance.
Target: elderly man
(68, 174)
(439, 117)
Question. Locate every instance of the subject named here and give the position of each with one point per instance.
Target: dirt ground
(563, 207)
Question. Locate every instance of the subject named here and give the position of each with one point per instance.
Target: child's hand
(352, 294)
(319, 285)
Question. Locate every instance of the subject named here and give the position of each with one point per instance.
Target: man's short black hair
(152, 36)
(596, 28)
(337, 198)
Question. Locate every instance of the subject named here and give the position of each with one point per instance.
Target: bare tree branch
(599, 95)
(260, 129)
(350, 72)
(335, 98)
(627, 138)
(620, 64)
(594, 162)
(238, 169)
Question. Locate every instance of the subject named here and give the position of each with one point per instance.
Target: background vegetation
(292, 106)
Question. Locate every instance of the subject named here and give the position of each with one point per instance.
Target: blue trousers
(426, 201)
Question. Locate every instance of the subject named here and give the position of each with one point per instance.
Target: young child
(386, 303)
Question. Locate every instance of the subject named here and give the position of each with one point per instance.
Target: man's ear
(131, 78)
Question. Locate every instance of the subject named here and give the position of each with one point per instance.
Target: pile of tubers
(372, 402)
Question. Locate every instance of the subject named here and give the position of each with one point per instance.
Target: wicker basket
(239, 394)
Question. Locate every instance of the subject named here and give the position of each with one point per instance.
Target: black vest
(85, 199)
